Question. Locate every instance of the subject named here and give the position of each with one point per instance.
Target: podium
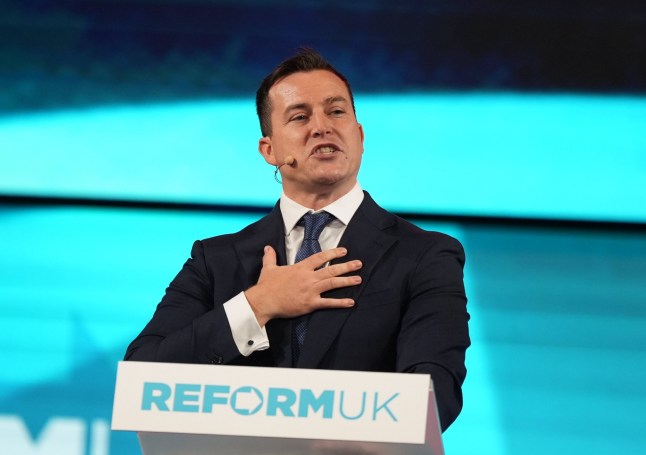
(186, 409)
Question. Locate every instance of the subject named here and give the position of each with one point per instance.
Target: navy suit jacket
(409, 315)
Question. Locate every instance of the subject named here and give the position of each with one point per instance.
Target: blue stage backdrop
(557, 364)
(497, 154)
(519, 123)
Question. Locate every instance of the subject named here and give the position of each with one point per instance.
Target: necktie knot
(314, 224)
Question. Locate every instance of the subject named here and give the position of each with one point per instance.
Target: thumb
(269, 258)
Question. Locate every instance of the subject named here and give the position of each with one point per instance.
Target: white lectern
(181, 409)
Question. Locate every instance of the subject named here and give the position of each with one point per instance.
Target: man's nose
(320, 125)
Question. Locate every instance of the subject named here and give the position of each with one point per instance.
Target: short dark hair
(305, 60)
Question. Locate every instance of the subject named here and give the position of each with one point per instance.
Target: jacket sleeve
(434, 334)
(189, 324)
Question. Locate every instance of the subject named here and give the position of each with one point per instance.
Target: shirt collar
(342, 209)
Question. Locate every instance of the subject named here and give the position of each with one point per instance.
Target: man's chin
(329, 180)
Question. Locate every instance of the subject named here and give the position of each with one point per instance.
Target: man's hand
(293, 290)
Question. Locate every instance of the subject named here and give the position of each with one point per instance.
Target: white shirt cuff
(247, 333)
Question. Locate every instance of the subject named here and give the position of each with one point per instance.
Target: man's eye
(338, 112)
(299, 117)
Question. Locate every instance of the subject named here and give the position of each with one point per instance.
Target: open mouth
(325, 150)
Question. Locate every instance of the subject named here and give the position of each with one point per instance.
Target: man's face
(312, 121)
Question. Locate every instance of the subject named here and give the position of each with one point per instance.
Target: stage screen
(128, 131)
(562, 156)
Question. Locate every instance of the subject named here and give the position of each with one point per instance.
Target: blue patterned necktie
(314, 224)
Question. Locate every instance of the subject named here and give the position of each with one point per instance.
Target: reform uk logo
(270, 402)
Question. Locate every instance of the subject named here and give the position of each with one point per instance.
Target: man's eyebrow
(297, 107)
(335, 99)
(329, 100)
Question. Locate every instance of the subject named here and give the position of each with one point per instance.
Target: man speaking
(328, 279)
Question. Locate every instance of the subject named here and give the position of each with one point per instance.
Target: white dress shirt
(247, 333)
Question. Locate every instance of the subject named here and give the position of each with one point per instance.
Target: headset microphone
(289, 161)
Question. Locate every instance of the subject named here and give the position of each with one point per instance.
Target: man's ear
(362, 134)
(266, 150)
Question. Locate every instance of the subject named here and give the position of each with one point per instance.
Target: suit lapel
(267, 231)
(366, 240)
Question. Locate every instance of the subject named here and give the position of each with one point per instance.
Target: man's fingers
(296, 289)
(340, 269)
(318, 259)
(336, 282)
(269, 258)
(335, 303)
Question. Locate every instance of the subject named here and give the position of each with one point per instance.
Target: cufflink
(217, 360)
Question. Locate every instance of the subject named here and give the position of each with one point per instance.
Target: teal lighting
(552, 156)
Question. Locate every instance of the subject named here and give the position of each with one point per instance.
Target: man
(382, 295)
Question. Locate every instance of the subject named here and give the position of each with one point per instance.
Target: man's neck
(319, 199)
